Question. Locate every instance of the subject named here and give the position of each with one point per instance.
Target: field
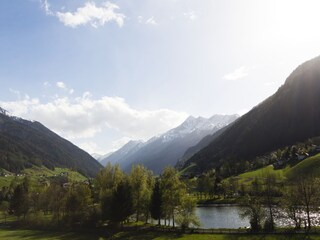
(307, 167)
(10, 234)
(39, 175)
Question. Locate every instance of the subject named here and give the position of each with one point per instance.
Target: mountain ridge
(288, 116)
(26, 143)
(167, 148)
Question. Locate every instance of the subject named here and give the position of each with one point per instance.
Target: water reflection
(221, 217)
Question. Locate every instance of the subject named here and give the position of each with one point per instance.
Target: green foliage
(173, 191)
(253, 209)
(121, 203)
(186, 213)
(141, 181)
(156, 204)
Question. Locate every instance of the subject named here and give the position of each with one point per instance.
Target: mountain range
(25, 144)
(289, 116)
(168, 148)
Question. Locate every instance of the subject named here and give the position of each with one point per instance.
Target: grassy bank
(13, 234)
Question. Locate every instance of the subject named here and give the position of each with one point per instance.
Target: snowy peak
(100, 157)
(198, 125)
(130, 146)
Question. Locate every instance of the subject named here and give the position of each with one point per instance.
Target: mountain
(200, 145)
(291, 115)
(24, 144)
(100, 157)
(123, 154)
(168, 148)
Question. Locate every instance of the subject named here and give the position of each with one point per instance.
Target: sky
(101, 73)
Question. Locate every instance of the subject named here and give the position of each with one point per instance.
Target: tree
(186, 213)
(156, 202)
(19, 204)
(53, 199)
(308, 194)
(4, 208)
(77, 202)
(269, 192)
(141, 182)
(252, 208)
(291, 204)
(173, 191)
(106, 183)
(121, 203)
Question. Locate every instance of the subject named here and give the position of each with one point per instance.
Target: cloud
(117, 144)
(190, 15)
(238, 73)
(93, 15)
(61, 85)
(46, 84)
(151, 21)
(15, 92)
(45, 5)
(83, 117)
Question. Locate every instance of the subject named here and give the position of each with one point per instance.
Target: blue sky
(100, 73)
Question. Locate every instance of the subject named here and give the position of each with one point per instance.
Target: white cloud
(151, 21)
(84, 117)
(238, 73)
(15, 92)
(61, 85)
(46, 84)
(119, 143)
(93, 15)
(268, 84)
(45, 5)
(190, 15)
(243, 111)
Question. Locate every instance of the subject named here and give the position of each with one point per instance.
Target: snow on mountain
(166, 149)
(118, 156)
(100, 157)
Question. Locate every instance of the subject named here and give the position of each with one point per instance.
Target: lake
(221, 217)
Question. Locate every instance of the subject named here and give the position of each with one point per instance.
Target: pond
(221, 217)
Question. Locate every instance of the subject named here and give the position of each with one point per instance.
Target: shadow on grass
(269, 237)
(146, 235)
(12, 234)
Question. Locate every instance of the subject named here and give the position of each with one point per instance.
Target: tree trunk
(308, 217)
(173, 219)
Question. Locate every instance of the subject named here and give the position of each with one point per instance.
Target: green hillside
(308, 167)
(24, 144)
(39, 175)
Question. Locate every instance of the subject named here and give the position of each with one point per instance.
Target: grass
(38, 174)
(308, 167)
(248, 177)
(14, 234)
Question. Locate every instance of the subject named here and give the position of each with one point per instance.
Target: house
(281, 163)
(301, 156)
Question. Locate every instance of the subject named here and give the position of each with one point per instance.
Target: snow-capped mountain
(120, 156)
(100, 157)
(168, 148)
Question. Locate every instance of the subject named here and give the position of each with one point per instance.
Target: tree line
(112, 198)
